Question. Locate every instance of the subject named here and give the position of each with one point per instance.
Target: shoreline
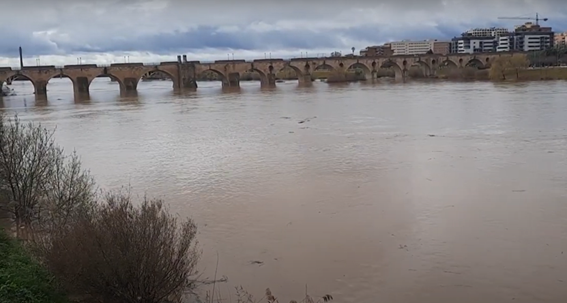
(454, 74)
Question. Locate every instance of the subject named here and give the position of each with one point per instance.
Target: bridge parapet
(80, 66)
(127, 64)
(268, 60)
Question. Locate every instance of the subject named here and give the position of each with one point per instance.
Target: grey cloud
(166, 26)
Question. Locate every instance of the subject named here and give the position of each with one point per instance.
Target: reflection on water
(415, 192)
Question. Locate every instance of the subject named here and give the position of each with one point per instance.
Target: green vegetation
(553, 56)
(22, 278)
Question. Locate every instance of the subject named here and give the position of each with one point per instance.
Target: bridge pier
(81, 85)
(305, 79)
(129, 85)
(40, 88)
(268, 81)
(232, 80)
(188, 84)
(401, 75)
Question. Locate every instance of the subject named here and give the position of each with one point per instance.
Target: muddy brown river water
(416, 192)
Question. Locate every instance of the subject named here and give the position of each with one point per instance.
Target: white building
(469, 45)
(487, 32)
(505, 43)
(407, 47)
(526, 37)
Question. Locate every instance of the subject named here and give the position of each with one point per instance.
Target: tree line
(551, 56)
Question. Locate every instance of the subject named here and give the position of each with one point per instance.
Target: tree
(353, 49)
(125, 253)
(518, 63)
(502, 65)
(41, 187)
(336, 54)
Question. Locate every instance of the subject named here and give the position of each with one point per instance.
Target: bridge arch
(61, 75)
(112, 77)
(323, 67)
(474, 63)
(447, 63)
(361, 68)
(21, 77)
(425, 68)
(263, 76)
(222, 77)
(398, 70)
(168, 74)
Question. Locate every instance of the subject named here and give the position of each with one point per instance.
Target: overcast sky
(104, 31)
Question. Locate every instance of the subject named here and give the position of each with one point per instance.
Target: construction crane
(537, 18)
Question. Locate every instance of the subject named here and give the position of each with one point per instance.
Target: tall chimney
(21, 58)
(184, 58)
(178, 59)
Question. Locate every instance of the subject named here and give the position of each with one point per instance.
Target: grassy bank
(551, 73)
(22, 279)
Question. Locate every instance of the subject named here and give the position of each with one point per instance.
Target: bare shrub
(125, 253)
(41, 187)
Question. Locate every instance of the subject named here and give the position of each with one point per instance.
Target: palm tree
(353, 50)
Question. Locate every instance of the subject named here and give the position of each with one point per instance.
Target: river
(415, 192)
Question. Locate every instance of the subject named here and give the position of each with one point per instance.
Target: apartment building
(486, 32)
(407, 47)
(442, 47)
(560, 39)
(525, 37)
(377, 50)
(471, 44)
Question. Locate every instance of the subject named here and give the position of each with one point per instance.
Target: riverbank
(529, 74)
(465, 73)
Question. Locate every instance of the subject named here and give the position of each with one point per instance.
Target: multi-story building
(560, 39)
(478, 40)
(441, 47)
(526, 37)
(474, 44)
(377, 50)
(486, 32)
(407, 47)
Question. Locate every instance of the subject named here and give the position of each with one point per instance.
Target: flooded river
(416, 192)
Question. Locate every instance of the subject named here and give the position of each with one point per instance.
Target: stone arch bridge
(184, 73)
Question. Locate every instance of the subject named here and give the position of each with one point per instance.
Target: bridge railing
(103, 65)
(152, 63)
